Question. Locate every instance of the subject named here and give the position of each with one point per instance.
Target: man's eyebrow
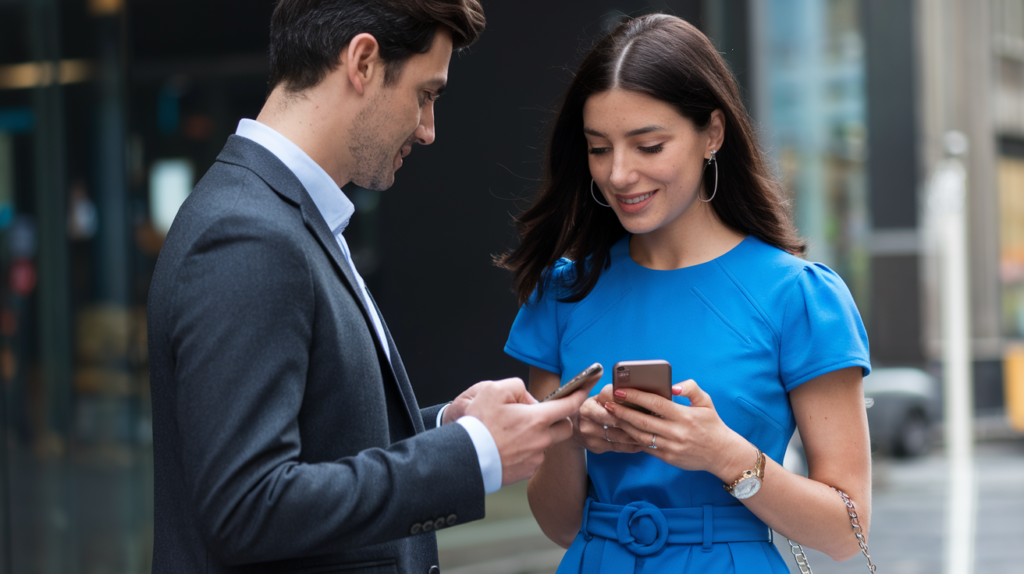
(629, 134)
(437, 85)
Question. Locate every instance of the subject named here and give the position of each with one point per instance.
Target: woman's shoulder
(771, 276)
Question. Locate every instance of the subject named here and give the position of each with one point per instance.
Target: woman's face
(645, 157)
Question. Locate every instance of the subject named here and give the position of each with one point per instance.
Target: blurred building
(110, 110)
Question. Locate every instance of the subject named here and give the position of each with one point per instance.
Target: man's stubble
(372, 154)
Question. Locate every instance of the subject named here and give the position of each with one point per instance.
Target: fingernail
(610, 407)
(620, 393)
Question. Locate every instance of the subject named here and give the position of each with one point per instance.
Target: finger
(638, 437)
(697, 396)
(594, 411)
(516, 391)
(629, 419)
(564, 407)
(606, 394)
(560, 431)
(619, 436)
(650, 401)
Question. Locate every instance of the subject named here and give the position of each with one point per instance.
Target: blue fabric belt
(640, 529)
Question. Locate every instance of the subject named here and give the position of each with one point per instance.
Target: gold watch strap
(757, 471)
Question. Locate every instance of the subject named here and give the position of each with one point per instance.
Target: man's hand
(521, 427)
(457, 409)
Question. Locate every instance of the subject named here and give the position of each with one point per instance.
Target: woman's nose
(623, 175)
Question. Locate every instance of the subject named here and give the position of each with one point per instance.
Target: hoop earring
(712, 159)
(594, 195)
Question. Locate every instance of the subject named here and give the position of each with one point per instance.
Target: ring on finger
(606, 434)
(654, 438)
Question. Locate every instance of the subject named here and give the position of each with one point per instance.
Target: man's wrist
(440, 415)
(486, 452)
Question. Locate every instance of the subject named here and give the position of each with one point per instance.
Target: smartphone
(591, 373)
(649, 376)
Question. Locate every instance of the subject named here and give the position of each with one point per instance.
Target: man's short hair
(307, 36)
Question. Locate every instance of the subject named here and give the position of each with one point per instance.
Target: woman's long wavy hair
(666, 58)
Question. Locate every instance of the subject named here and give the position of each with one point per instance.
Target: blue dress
(748, 327)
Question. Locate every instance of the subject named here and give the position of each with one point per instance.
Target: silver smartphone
(650, 376)
(592, 372)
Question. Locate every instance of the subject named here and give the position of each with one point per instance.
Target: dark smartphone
(590, 373)
(649, 376)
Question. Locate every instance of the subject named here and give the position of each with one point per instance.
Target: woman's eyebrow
(629, 134)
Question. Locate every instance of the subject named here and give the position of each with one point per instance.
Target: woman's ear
(715, 132)
(362, 61)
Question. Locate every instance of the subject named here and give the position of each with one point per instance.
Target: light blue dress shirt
(337, 210)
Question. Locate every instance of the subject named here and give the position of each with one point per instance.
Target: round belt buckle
(642, 528)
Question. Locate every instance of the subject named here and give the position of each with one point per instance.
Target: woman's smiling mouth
(634, 203)
(636, 199)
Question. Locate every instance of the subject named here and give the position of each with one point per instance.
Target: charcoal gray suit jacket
(284, 439)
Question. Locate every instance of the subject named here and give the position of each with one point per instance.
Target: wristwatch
(748, 484)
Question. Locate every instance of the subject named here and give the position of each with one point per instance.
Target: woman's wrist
(739, 456)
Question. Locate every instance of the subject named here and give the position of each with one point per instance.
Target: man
(286, 434)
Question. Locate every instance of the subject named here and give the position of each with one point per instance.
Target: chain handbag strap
(856, 527)
(798, 551)
(801, 558)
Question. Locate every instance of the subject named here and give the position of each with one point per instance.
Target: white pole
(947, 195)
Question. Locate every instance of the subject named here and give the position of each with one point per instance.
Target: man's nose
(425, 132)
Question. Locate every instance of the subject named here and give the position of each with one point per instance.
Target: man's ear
(362, 62)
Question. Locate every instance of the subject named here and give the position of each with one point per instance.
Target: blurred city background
(110, 111)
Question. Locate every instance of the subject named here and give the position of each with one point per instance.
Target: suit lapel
(402, 377)
(254, 157)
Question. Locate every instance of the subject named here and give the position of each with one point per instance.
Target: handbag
(798, 551)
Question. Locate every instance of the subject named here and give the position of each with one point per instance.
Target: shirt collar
(335, 207)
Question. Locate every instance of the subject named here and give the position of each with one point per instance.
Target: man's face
(399, 115)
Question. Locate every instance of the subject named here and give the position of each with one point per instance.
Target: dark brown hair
(667, 58)
(307, 36)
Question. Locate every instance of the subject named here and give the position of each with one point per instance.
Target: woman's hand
(596, 430)
(689, 437)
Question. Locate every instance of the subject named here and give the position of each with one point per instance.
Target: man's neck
(313, 123)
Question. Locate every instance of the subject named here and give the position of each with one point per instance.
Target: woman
(678, 246)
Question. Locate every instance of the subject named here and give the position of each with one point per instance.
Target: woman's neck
(696, 237)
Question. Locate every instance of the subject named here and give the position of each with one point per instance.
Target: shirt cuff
(486, 452)
(440, 415)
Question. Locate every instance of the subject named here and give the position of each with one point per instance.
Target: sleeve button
(452, 519)
(428, 526)
(439, 523)
(416, 528)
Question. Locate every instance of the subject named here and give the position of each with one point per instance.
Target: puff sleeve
(822, 330)
(536, 333)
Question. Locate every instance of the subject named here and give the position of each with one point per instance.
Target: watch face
(746, 488)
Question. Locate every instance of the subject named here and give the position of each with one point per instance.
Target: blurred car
(903, 408)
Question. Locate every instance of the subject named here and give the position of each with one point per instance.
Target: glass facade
(811, 110)
(108, 114)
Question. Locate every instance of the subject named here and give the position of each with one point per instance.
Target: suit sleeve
(240, 330)
(430, 415)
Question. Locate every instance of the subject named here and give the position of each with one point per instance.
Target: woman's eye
(598, 150)
(651, 149)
